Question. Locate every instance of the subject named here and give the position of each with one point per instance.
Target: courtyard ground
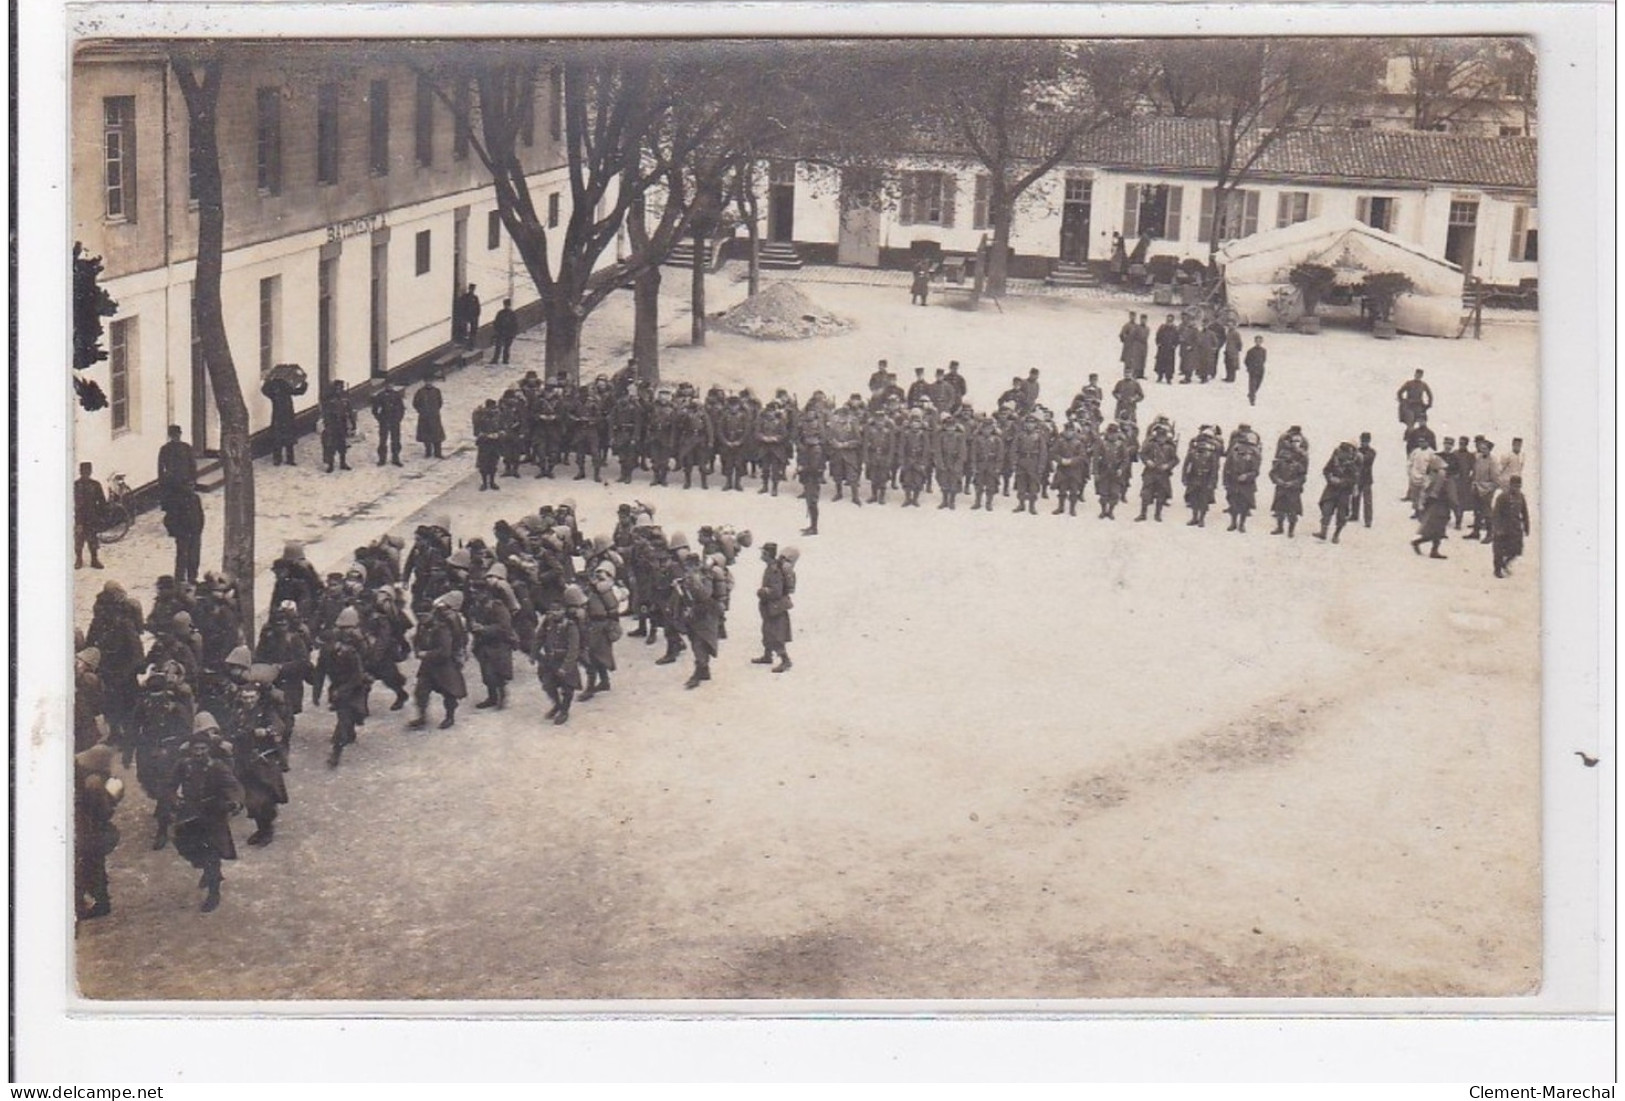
(1018, 756)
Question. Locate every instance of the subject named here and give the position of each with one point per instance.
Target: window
(1077, 189)
(927, 199)
(980, 217)
(527, 115)
(493, 230)
(1239, 218)
(555, 104)
(461, 124)
(1376, 211)
(423, 252)
(270, 301)
(327, 134)
(268, 140)
(553, 211)
(1359, 124)
(118, 152)
(1463, 213)
(1152, 209)
(119, 346)
(1524, 233)
(1293, 207)
(378, 131)
(423, 122)
(1512, 131)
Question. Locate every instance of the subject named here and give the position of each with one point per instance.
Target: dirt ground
(1018, 756)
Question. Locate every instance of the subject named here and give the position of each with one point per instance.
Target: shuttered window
(1525, 234)
(927, 198)
(1293, 207)
(118, 154)
(378, 128)
(1152, 209)
(1377, 211)
(423, 122)
(1238, 219)
(268, 139)
(119, 348)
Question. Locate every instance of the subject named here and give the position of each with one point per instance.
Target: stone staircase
(1067, 274)
(779, 256)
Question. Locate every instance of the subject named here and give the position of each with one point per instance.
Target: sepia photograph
(806, 519)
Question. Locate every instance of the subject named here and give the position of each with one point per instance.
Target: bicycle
(118, 513)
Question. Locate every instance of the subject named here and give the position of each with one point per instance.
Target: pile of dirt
(781, 312)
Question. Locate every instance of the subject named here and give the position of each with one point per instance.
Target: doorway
(859, 241)
(326, 279)
(378, 306)
(1462, 234)
(781, 201)
(1075, 221)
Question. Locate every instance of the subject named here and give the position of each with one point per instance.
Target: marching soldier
(342, 667)
(163, 720)
(810, 472)
(1112, 464)
(1158, 458)
(1242, 464)
(774, 600)
(205, 793)
(773, 429)
(952, 452)
(701, 598)
(389, 410)
(258, 739)
(338, 421)
(440, 644)
(1200, 475)
(1030, 456)
(558, 653)
(846, 448)
(1342, 473)
(880, 455)
(1288, 472)
(491, 625)
(96, 795)
(601, 627)
(1509, 524)
(914, 458)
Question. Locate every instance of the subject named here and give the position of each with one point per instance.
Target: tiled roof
(1164, 144)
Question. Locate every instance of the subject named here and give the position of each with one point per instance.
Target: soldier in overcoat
(441, 644)
(205, 793)
(774, 601)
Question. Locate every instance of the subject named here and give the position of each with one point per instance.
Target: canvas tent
(1254, 267)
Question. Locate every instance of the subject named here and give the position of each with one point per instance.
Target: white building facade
(1468, 199)
(354, 210)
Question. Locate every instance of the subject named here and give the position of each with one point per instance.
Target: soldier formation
(207, 721)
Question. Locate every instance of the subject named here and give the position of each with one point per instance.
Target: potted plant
(1312, 282)
(1283, 308)
(1382, 291)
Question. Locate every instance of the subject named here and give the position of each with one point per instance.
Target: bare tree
(1451, 80)
(199, 78)
(1254, 93)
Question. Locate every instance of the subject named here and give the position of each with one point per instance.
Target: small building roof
(1190, 145)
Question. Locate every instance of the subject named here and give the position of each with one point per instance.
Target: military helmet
(790, 554)
(349, 617)
(205, 723)
(240, 656)
(452, 600)
(574, 597)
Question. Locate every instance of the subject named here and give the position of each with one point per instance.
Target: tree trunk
(697, 293)
(563, 337)
(751, 212)
(236, 451)
(645, 299)
(646, 325)
(998, 253)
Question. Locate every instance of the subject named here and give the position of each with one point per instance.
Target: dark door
(379, 307)
(325, 278)
(1075, 222)
(1462, 235)
(781, 202)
